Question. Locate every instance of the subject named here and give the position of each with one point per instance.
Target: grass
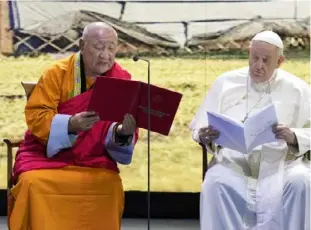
(176, 160)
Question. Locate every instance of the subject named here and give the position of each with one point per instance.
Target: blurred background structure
(151, 27)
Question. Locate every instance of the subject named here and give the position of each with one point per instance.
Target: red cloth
(88, 150)
(132, 97)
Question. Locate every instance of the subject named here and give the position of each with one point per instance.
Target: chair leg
(9, 163)
(204, 161)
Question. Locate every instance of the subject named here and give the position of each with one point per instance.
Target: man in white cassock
(268, 188)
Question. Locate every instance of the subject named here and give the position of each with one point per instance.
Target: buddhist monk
(65, 174)
(267, 188)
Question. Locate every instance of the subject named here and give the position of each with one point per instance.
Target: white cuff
(303, 138)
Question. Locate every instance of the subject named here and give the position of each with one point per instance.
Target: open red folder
(112, 98)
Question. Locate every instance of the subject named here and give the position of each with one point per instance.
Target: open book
(244, 137)
(112, 98)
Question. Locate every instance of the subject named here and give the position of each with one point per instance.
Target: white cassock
(269, 188)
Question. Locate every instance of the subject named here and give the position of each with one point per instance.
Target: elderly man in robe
(65, 173)
(269, 188)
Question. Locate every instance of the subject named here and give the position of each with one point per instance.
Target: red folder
(112, 98)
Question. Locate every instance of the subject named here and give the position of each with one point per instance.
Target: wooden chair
(28, 87)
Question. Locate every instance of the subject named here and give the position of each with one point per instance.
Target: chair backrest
(28, 87)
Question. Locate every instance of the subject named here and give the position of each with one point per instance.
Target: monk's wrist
(71, 131)
(121, 138)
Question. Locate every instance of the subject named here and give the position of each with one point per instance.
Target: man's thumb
(87, 113)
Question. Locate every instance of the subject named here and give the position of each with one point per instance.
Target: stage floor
(141, 224)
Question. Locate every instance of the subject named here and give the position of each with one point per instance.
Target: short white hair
(96, 25)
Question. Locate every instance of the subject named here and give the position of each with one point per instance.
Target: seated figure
(269, 187)
(65, 174)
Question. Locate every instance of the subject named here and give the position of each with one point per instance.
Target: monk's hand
(82, 121)
(208, 134)
(128, 126)
(283, 132)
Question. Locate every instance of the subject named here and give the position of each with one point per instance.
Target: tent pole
(6, 35)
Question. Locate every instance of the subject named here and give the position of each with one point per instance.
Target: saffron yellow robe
(54, 87)
(70, 198)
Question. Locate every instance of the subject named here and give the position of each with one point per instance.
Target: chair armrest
(12, 143)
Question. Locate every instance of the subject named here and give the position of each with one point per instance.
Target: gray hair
(96, 25)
